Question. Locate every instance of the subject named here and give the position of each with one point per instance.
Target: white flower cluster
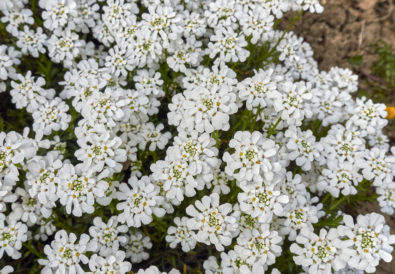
(197, 113)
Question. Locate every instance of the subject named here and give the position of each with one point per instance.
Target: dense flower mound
(183, 136)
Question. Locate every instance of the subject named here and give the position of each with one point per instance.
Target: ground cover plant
(170, 136)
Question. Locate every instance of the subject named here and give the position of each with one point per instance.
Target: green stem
(236, 126)
(246, 120)
(338, 202)
(255, 118)
(154, 156)
(272, 129)
(33, 250)
(326, 197)
(316, 126)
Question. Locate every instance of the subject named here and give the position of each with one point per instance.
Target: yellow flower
(391, 112)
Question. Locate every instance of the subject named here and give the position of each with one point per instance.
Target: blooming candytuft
(213, 222)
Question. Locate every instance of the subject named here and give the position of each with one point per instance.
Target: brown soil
(349, 28)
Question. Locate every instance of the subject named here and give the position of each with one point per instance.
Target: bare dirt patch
(348, 28)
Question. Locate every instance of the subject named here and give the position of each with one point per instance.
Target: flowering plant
(183, 135)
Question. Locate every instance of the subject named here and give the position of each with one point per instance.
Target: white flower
(28, 209)
(16, 16)
(194, 24)
(211, 266)
(292, 102)
(213, 222)
(295, 188)
(88, 15)
(51, 116)
(13, 151)
(65, 254)
(252, 159)
(246, 221)
(7, 269)
(258, 90)
(321, 253)
(262, 202)
(199, 151)
(289, 46)
(371, 241)
(12, 235)
(43, 178)
(106, 237)
(152, 135)
(257, 22)
(177, 180)
(328, 103)
(57, 13)
(119, 61)
(162, 21)
(184, 55)
(141, 201)
(109, 194)
(302, 147)
(205, 110)
(261, 246)
(84, 81)
(221, 13)
(105, 107)
(77, 192)
(27, 91)
(272, 120)
(103, 34)
(31, 42)
(379, 140)
(167, 203)
(176, 109)
(58, 145)
(343, 144)
(116, 12)
(181, 234)
(277, 7)
(64, 46)
(111, 264)
(220, 182)
(47, 228)
(298, 219)
(367, 116)
(147, 48)
(343, 78)
(377, 166)
(85, 129)
(155, 270)
(137, 108)
(340, 177)
(228, 44)
(219, 75)
(295, 134)
(236, 262)
(386, 198)
(101, 153)
(149, 82)
(8, 58)
(136, 247)
(311, 5)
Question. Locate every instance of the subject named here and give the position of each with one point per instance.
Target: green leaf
(356, 61)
